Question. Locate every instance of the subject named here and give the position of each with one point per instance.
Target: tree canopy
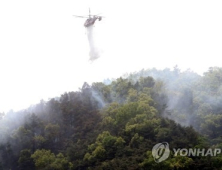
(115, 125)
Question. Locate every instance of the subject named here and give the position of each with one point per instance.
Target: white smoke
(93, 47)
(98, 98)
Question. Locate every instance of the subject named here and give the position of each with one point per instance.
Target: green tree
(45, 160)
(25, 161)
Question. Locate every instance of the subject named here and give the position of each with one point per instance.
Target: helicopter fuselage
(91, 20)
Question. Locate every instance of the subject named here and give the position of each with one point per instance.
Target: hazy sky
(44, 50)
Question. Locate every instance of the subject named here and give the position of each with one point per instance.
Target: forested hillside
(114, 125)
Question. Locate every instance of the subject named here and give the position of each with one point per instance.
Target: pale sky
(44, 50)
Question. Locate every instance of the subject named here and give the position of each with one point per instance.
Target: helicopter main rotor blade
(99, 16)
(80, 16)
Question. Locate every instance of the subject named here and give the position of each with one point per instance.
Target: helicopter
(91, 19)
